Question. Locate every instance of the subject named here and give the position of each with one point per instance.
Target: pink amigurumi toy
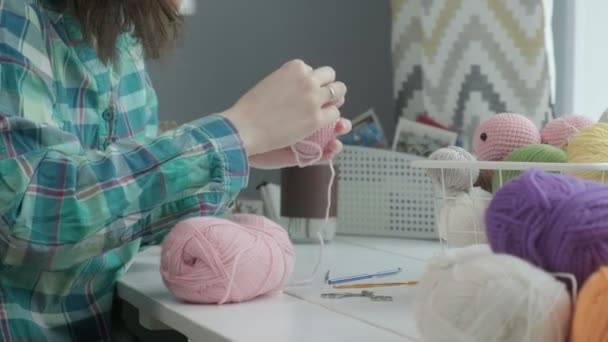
(558, 131)
(502, 134)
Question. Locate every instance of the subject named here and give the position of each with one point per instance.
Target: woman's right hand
(286, 107)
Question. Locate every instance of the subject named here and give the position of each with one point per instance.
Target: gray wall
(229, 45)
(563, 39)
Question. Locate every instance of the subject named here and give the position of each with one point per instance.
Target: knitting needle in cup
(367, 286)
(363, 276)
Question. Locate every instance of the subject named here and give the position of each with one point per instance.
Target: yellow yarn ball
(589, 145)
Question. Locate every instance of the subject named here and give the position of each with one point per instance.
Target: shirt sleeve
(60, 203)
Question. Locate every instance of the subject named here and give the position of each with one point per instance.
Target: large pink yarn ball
(211, 260)
(503, 133)
(558, 131)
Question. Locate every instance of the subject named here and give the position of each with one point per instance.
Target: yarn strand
(332, 176)
(332, 170)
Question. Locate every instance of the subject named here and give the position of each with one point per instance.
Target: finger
(344, 126)
(338, 103)
(329, 116)
(334, 146)
(324, 75)
(333, 92)
(332, 149)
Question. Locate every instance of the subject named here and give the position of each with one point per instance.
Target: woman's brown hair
(154, 23)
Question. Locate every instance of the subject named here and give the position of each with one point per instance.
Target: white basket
(381, 194)
(475, 234)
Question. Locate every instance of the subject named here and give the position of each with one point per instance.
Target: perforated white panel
(380, 194)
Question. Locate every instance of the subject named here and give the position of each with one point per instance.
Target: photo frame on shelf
(419, 139)
(367, 132)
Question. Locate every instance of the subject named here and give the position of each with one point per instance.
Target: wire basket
(381, 194)
(451, 232)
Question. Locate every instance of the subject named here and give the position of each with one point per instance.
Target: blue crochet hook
(363, 276)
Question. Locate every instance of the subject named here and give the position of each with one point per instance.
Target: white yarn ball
(472, 295)
(461, 219)
(455, 179)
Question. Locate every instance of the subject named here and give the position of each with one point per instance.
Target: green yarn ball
(538, 153)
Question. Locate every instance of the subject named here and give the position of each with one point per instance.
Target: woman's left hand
(285, 158)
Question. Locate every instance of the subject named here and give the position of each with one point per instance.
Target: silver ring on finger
(332, 92)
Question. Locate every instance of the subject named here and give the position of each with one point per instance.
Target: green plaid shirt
(84, 178)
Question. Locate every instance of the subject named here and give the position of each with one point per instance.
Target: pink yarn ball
(210, 260)
(502, 134)
(310, 150)
(558, 131)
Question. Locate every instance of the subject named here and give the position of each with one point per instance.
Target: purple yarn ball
(556, 222)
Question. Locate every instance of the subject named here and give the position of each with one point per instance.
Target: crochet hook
(367, 286)
(363, 276)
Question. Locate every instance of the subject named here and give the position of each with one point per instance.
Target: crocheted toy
(558, 131)
(502, 134)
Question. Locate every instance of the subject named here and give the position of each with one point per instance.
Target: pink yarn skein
(503, 133)
(310, 150)
(558, 131)
(209, 260)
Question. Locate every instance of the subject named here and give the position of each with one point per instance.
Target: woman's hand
(286, 107)
(284, 157)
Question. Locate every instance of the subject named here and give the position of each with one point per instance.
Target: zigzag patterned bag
(461, 61)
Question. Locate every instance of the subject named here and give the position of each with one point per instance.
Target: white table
(299, 314)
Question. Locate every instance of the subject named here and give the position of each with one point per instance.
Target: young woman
(84, 178)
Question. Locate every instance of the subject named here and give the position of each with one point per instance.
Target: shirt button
(107, 115)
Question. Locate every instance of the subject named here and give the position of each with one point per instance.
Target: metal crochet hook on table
(364, 294)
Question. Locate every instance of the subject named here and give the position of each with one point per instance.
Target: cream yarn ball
(472, 295)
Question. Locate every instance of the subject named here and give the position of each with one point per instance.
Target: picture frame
(415, 138)
(366, 131)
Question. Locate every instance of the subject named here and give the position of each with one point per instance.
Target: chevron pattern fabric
(461, 61)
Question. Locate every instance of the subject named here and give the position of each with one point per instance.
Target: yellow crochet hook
(366, 286)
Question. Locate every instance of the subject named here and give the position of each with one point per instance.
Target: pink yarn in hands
(502, 134)
(558, 131)
(209, 260)
(310, 150)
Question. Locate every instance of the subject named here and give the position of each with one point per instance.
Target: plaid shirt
(84, 178)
